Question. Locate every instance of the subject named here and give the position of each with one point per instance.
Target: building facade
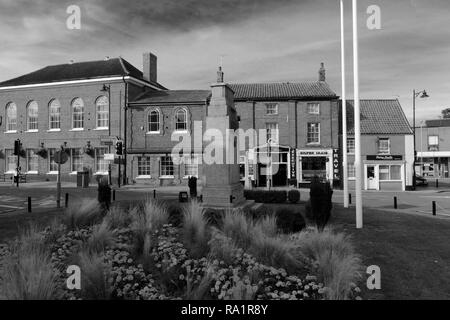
(79, 107)
(433, 148)
(387, 152)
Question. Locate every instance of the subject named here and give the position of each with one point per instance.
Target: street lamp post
(422, 94)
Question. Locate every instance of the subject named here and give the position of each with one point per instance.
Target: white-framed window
(272, 132)
(313, 108)
(52, 165)
(11, 117)
(351, 145)
(390, 172)
(313, 133)
(384, 146)
(351, 172)
(102, 112)
(77, 113)
(76, 158)
(271, 108)
(166, 167)
(32, 116)
(101, 165)
(153, 121)
(191, 166)
(433, 143)
(181, 120)
(11, 161)
(32, 161)
(144, 166)
(54, 112)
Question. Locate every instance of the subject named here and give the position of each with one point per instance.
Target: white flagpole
(358, 167)
(344, 112)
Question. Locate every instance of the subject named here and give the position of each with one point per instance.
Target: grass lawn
(412, 251)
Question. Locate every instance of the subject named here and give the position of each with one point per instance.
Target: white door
(372, 179)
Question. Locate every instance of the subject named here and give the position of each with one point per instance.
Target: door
(372, 179)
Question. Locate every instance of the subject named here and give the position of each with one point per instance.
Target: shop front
(384, 172)
(315, 162)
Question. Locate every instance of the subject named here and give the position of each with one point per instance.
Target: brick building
(80, 106)
(433, 148)
(386, 145)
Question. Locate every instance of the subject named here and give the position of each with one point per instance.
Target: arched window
(181, 120)
(11, 117)
(32, 116)
(54, 115)
(77, 113)
(102, 112)
(153, 121)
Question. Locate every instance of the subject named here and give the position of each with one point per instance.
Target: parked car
(421, 181)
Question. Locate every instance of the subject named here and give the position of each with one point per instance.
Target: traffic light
(119, 148)
(17, 147)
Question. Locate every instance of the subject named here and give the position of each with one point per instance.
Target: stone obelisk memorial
(222, 186)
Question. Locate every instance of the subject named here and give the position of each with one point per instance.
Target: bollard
(437, 183)
(154, 193)
(395, 202)
(66, 204)
(434, 208)
(114, 195)
(349, 198)
(231, 198)
(29, 204)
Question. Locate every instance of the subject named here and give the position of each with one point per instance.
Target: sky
(257, 40)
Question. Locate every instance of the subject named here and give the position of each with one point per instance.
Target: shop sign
(336, 164)
(313, 153)
(386, 157)
(293, 159)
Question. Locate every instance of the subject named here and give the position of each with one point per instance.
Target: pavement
(14, 200)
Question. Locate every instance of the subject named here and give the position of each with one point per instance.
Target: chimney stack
(322, 72)
(149, 68)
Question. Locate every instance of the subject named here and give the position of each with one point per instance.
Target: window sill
(11, 131)
(180, 131)
(32, 130)
(32, 172)
(187, 177)
(77, 129)
(143, 177)
(101, 173)
(53, 130)
(52, 172)
(153, 132)
(10, 172)
(167, 177)
(100, 129)
(313, 144)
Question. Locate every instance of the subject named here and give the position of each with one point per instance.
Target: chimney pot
(322, 72)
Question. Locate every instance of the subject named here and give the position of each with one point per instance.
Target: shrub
(95, 275)
(156, 215)
(266, 196)
(194, 230)
(290, 220)
(237, 227)
(308, 211)
(84, 213)
(334, 260)
(321, 204)
(101, 238)
(293, 196)
(27, 272)
(222, 247)
(117, 218)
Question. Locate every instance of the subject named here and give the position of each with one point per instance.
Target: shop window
(166, 167)
(313, 134)
(351, 145)
(272, 132)
(191, 166)
(76, 159)
(390, 172)
(313, 108)
(271, 108)
(101, 165)
(32, 161)
(11, 161)
(384, 146)
(433, 143)
(384, 173)
(144, 166)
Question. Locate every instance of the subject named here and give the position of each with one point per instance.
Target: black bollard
(154, 193)
(349, 198)
(67, 200)
(437, 183)
(395, 202)
(29, 204)
(434, 208)
(114, 195)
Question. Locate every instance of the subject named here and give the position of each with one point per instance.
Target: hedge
(266, 196)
